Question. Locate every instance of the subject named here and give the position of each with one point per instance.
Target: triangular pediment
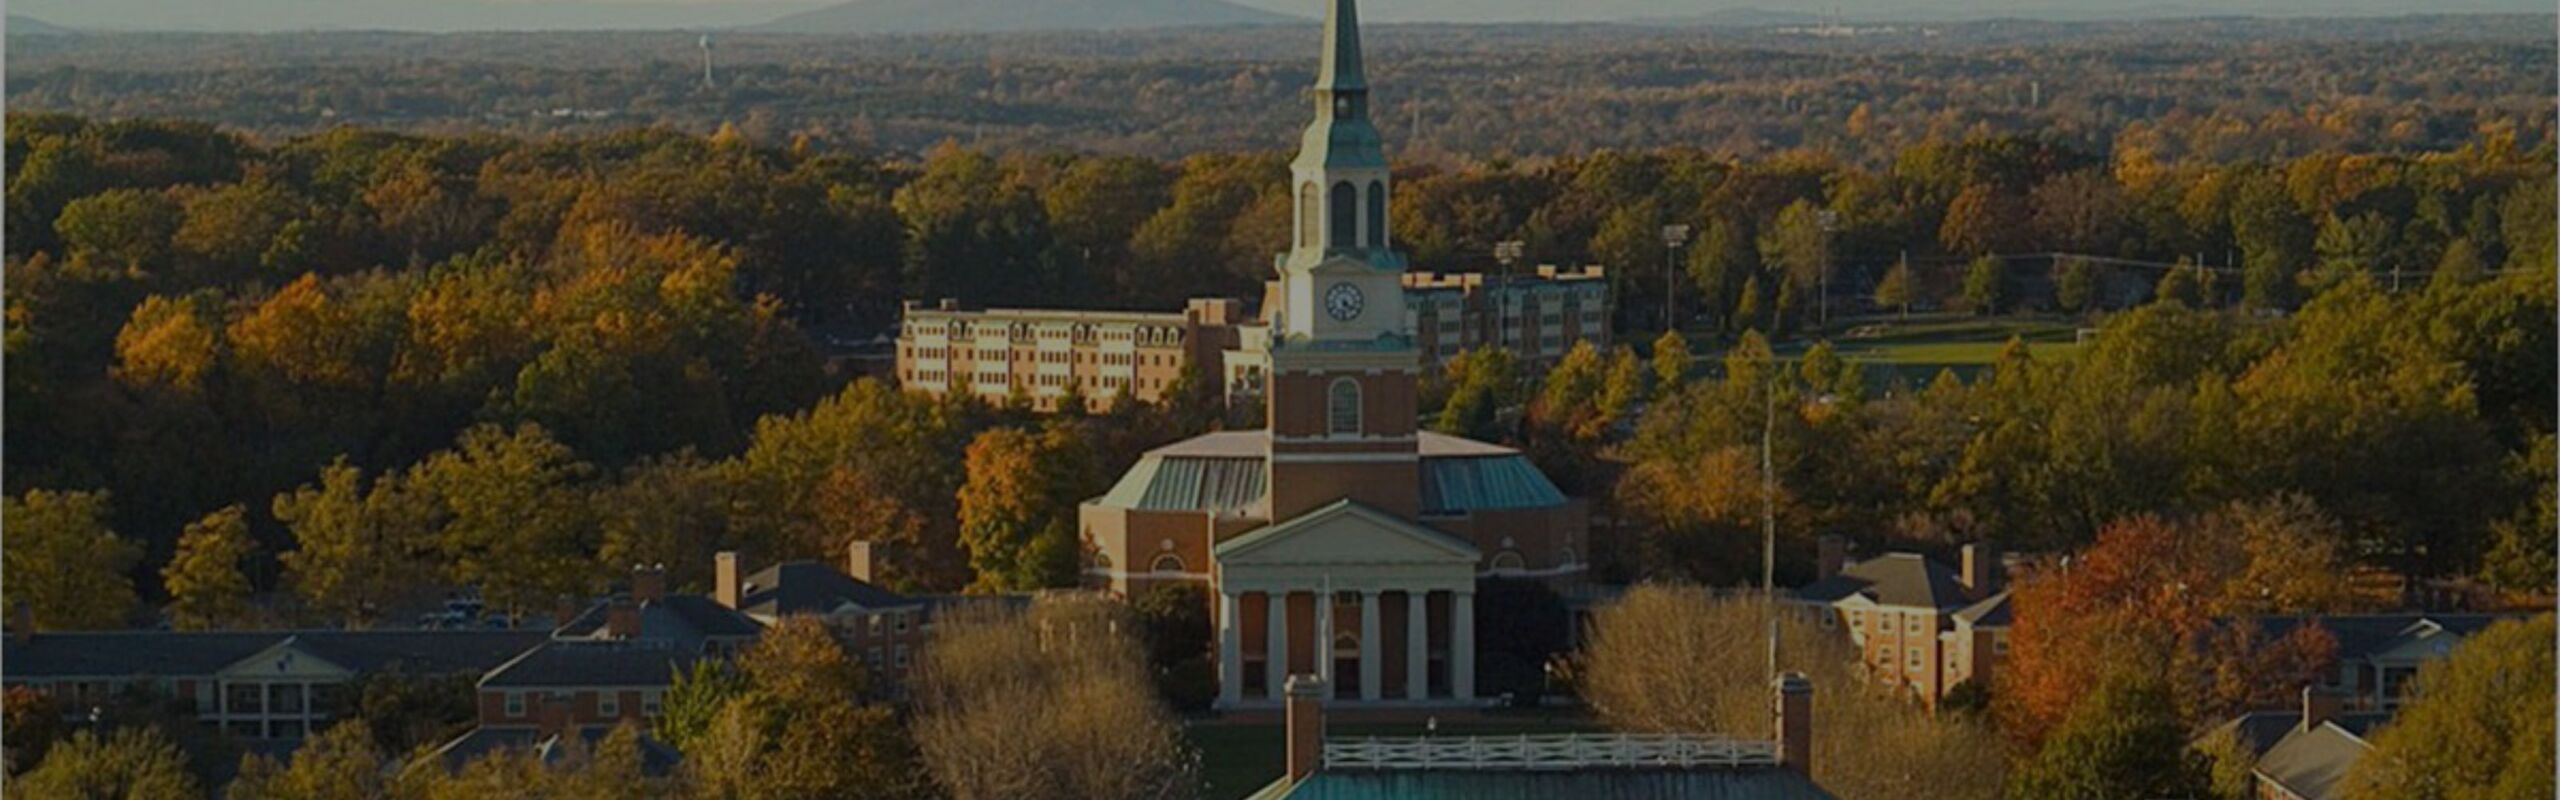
(283, 660)
(1346, 532)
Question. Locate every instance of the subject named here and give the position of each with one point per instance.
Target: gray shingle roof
(1992, 612)
(687, 619)
(1223, 473)
(2364, 635)
(569, 662)
(1609, 784)
(808, 587)
(2312, 763)
(2259, 730)
(179, 653)
(1893, 579)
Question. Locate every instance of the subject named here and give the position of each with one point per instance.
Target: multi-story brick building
(1918, 624)
(1537, 317)
(995, 354)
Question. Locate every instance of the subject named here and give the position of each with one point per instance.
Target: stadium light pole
(1673, 236)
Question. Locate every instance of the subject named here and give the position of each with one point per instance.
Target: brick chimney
(1981, 569)
(1306, 726)
(2319, 704)
(724, 578)
(649, 583)
(622, 618)
(1795, 722)
(1833, 554)
(858, 562)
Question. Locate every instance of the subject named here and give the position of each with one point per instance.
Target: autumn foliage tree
(1046, 702)
(66, 570)
(1017, 511)
(206, 587)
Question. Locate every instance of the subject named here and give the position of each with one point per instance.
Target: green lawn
(1915, 350)
(1238, 759)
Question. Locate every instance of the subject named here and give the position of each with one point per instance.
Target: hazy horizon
(499, 15)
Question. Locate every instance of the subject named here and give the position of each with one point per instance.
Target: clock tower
(1342, 391)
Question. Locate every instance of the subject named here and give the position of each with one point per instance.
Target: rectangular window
(515, 704)
(902, 623)
(244, 698)
(902, 656)
(649, 704)
(609, 705)
(1912, 660)
(1911, 623)
(284, 698)
(1857, 620)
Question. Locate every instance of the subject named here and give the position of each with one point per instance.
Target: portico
(1382, 608)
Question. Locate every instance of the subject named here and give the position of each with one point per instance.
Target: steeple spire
(1341, 71)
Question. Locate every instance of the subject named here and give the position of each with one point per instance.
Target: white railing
(1546, 752)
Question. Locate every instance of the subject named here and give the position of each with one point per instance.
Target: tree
(64, 567)
(693, 703)
(2075, 282)
(2179, 285)
(2479, 725)
(517, 517)
(1674, 659)
(1982, 220)
(1017, 510)
(800, 730)
(1049, 702)
(339, 763)
(2460, 265)
(1671, 363)
(1896, 290)
(1484, 382)
(2125, 741)
(206, 588)
(357, 551)
(34, 725)
(133, 763)
(130, 228)
(1724, 253)
(1799, 247)
(1983, 289)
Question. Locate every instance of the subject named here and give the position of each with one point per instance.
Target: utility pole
(1822, 292)
(1673, 236)
(1769, 513)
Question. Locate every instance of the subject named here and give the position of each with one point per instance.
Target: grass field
(1238, 759)
(1914, 351)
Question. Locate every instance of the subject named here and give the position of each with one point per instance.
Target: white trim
(1321, 458)
(1103, 572)
(1348, 438)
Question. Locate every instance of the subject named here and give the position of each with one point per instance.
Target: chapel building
(1341, 540)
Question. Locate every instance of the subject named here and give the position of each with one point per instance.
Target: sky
(445, 15)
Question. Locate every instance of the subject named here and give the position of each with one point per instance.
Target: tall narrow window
(1343, 407)
(1310, 210)
(1377, 215)
(1346, 216)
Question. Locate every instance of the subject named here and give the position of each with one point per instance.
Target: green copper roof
(1341, 70)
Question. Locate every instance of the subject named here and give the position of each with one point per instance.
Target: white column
(1230, 649)
(1324, 639)
(1369, 648)
(1462, 644)
(1275, 671)
(1417, 645)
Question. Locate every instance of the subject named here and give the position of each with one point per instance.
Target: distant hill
(989, 16)
(1738, 18)
(30, 26)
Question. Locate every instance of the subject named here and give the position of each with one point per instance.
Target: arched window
(1346, 216)
(1508, 561)
(1377, 215)
(1342, 407)
(1167, 563)
(1309, 212)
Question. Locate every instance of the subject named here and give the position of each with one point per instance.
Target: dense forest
(2219, 89)
(316, 340)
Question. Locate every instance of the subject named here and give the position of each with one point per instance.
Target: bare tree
(1679, 659)
(1048, 702)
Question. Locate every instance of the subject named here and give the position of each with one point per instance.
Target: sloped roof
(1893, 579)
(1992, 612)
(184, 653)
(2259, 730)
(571, 662)
(2363, 636)
(2312, 763)
(1225, 473)
(688, 619)
(809, 587)
(1449, 546)
(1595, 784)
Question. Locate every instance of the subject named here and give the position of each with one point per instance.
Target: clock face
(1342, 301)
